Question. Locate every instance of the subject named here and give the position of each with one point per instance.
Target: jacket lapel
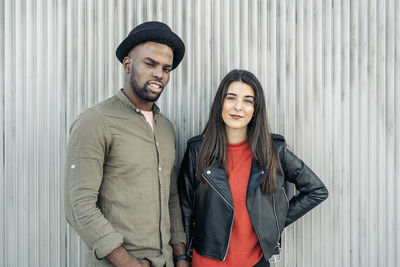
(217, 179)
(256, 175)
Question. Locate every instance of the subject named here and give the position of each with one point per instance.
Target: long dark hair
(213, 147)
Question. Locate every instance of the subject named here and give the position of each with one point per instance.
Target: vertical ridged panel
(330, 71)
(396, 111)
(2, 131)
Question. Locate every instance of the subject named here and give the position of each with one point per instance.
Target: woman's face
(238, 107)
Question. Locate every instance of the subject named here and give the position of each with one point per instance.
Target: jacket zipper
(284, 193)
(230, 231)
(276, 220)
(254, 226)
(276, 257)
(254, 186)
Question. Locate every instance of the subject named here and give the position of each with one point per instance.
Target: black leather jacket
(208, 212)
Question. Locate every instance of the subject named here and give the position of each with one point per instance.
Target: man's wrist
(180, 257)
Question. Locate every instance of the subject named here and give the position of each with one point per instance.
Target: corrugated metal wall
(330, 69)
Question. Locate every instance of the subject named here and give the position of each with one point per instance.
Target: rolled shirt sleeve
(87, 150)
(177, 232)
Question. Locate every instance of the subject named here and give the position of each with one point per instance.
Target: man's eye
(149, 63)
(167, 70)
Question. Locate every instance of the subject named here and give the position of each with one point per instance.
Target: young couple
(227, 207)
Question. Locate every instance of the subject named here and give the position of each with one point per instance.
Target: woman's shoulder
(195, 140)
(279, 142)
(277, 137)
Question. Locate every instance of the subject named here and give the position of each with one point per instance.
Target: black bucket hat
(154, 31)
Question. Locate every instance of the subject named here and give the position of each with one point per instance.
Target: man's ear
(126, 63)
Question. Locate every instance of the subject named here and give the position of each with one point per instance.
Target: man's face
(150, 67)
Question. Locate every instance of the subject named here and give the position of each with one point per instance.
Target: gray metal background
(330, 69)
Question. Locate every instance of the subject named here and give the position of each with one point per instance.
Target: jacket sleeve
(311, 189)
(83, 173)
(186, 192)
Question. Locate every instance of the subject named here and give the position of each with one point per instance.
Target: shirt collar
(121, 96)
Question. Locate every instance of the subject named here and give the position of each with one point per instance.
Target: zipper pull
(277, 256)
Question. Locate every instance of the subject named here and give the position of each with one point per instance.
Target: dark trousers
(262, 263)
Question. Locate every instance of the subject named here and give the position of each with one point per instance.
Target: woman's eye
(249, 101)
(230, 98)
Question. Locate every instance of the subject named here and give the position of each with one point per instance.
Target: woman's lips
(236, 117)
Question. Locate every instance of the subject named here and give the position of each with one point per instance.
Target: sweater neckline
(244, 143)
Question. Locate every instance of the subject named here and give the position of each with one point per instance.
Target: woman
(232, 177)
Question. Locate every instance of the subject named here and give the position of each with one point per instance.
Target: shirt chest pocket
(166, 153)
(132, 151)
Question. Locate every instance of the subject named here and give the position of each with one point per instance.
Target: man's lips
(235, 116)
(155, 86)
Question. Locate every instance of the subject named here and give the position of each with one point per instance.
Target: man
(121, 194)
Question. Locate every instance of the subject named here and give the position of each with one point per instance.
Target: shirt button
(159, 168)
(137, 110)
(208, 172)
(157, 143)
(262, 172)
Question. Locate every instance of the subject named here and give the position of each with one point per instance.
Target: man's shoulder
(88, 121)
(95, 115)
(88, 115)
(107, 105)
(100, 109)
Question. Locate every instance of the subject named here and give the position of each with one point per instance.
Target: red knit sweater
(244, 248)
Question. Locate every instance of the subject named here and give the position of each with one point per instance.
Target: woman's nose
(238, 105)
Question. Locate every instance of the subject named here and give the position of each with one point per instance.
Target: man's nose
(158, 73)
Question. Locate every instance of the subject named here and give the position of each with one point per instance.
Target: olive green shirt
(121, 183)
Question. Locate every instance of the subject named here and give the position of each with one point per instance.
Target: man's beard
(142, 92)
